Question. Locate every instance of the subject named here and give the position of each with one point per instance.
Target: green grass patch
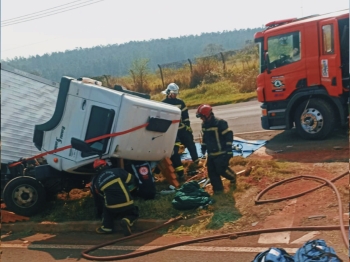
(222, 211)
(220, 93)
(67, 210)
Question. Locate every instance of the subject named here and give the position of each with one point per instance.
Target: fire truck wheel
(317, 121)
(24, 196)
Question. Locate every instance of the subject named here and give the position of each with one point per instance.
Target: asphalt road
(31, 247)
(242, 117)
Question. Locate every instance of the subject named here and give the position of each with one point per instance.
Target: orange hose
(229, 235)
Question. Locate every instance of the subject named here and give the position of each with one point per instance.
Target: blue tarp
(242, 148)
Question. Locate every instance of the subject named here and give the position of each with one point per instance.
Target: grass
(208, 82)
(220, 93)
(217, 215)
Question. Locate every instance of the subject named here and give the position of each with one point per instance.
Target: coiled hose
(231, 235)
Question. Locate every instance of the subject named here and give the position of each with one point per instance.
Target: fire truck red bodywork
(308, 88)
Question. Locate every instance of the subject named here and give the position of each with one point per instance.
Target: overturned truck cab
(120, 125)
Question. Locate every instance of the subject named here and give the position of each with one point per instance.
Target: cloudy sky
(36, 27)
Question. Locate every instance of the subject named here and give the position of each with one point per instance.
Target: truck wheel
(317, 121)
(24, 196)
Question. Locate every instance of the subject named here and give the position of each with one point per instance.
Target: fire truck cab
(303, 79)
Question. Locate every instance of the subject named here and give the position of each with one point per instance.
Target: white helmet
(171, 89)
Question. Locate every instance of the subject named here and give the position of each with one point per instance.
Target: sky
(37, 27)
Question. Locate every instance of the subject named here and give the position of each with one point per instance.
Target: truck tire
(317, 121)
(24, 196)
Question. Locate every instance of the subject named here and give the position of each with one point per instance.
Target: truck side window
(328, 42)
(100, 123)
(284, 49)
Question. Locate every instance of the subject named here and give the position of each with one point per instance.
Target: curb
(87, 226)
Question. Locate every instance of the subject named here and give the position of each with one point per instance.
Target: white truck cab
(143, 129)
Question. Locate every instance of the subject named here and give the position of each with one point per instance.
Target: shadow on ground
(288, 146)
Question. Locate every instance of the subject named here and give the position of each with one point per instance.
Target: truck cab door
(285, 67)
(99, 120)
(330, 57)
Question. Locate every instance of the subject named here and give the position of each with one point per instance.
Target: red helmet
(204, 111)
(99, 162)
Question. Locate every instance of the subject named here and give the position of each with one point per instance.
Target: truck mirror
(267, 62)
(80, 145)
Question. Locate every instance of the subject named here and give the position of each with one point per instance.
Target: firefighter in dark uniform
(217, 142)
(176, 160)
(111, 194)
(184, 133)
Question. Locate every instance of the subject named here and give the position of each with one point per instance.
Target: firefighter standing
(217, 141)
(110, 190)
(184, 133)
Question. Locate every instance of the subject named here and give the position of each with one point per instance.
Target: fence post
(161, 74)
(190, 65)
(223, 61)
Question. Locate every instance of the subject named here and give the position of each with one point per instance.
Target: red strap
(87, 141)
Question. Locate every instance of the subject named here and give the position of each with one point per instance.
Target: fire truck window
(328, 43)
(284, 49)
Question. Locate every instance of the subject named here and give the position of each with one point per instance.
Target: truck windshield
(283, 49)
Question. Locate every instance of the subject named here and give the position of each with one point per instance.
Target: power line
(42, 15)
(30, 44)
(15, 18)
(45, 14)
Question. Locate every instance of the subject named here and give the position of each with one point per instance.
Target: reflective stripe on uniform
(179, 168)
(215, 129)
(117, 180)
(225, 131)
(128, 178)
(217, 153)
(125, 191)
(121, 205)
(106, 229)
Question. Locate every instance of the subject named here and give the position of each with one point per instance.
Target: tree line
(117, 59)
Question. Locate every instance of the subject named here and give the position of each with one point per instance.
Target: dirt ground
(325, 159)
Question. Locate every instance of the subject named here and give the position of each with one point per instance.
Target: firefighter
(111, 194)
(184, 133)
(217, 142)
(176, 160)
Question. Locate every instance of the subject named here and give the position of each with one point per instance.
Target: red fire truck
(303, 79)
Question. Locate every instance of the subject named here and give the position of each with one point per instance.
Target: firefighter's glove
(189, 129)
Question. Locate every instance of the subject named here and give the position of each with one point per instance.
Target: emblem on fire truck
(278, 81)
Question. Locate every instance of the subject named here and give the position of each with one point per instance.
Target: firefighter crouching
(176, 160)
(217, 141)
(112, 197)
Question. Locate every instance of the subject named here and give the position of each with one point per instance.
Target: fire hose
(235, 234)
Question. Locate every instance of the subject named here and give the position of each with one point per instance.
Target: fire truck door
(330, 59)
